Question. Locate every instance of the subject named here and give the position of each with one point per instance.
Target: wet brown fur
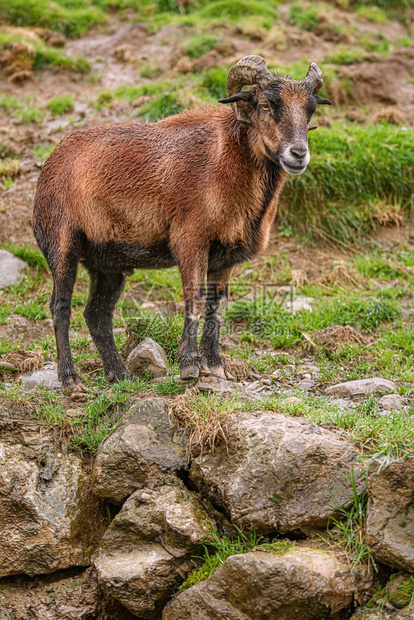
(195, 190)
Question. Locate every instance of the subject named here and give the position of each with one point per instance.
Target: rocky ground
(285, 492)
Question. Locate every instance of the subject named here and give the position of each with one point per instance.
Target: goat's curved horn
(314, 78)
(249, 70)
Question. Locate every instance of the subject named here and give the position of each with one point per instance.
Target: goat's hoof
(204, 369)
(115, 376)
(189, 372)
(74, 385)
(79, 397)
(221, 372)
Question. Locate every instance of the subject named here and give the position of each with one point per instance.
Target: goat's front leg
(217, 295)
(193, 274)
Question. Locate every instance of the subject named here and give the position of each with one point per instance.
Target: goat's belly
(117, 256)
(223, 256)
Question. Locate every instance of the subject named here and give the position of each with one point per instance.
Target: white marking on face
(293, 164)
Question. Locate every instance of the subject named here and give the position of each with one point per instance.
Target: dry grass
(204, 416)
(240, 369)
(340, 275)
(26, 361)
(334, 336)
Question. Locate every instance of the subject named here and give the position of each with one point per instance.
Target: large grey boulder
(148, 547)
(142, 452)
(376, 385)
(278, 473)
(48, 517)
(390, 514)
(305, 584)
(10, 268)
(148, 357)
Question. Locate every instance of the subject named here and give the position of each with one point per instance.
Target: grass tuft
(348, 531)
(225, 547)
(61, 104)
(204, 415)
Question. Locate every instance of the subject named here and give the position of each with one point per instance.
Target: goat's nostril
(298, 151)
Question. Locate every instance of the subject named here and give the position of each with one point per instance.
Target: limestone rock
(377, 386)
(58, 596)
(392, 402)
(390, 514)
(215, 385)
(46, 377)
(306, 385)
(148, 547)
(299, 304)
(47, 518)
(304, 583)
(142, 452)
(148, 357)
(278, 473)
(10, 268)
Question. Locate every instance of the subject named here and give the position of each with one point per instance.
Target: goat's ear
(246, 96)
(322, 101)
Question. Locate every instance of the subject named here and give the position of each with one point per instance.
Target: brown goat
(198, 190)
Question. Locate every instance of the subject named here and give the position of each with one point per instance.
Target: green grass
(61, 104)
(358, 176)
(304, 16)
(346, 56)
(30, 255)
(270, 321)
(390, 436)
(71, 17)
(9, 168)
(234, 9)
(21, 109)
(161, 106)
(42, 152)
(217, 550)
(373, 13)
(215, 80)
(375, 42)
(44, 56)
(49, 57)
(348, 530)
(198, 45)
(166, 329)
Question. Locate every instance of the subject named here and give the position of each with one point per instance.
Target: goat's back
(128, 181)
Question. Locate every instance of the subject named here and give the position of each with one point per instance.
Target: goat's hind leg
(64, 267)
(105, 291)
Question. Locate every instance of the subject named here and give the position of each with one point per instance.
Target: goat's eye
(265, 108)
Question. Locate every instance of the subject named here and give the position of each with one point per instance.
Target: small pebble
(391, 401)
(306, 384)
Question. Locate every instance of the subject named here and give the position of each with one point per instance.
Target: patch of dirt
(386, 81)
(334, 336)
(22, 330)
(240, 369)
